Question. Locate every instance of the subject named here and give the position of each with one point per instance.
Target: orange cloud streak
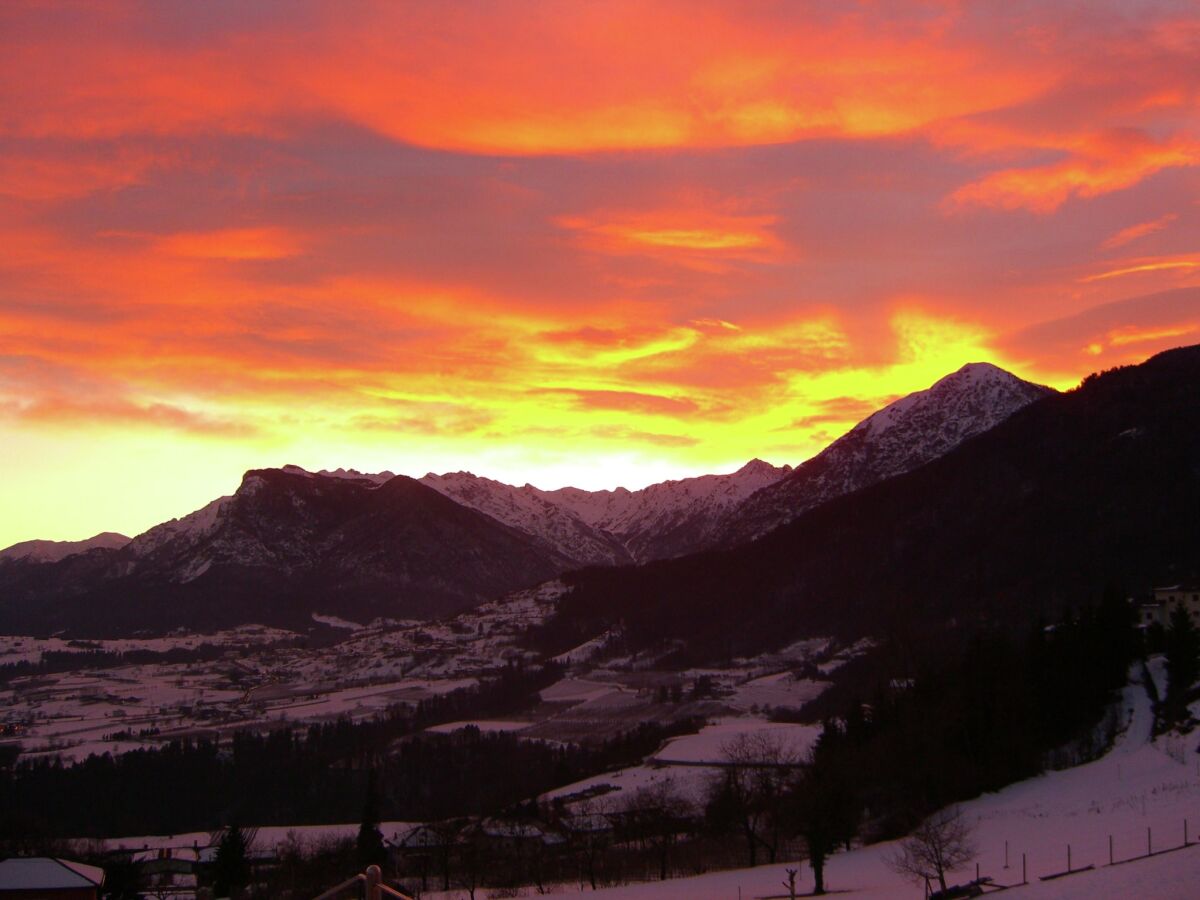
(1157, 265)
(1104, 164)
(1140, 230)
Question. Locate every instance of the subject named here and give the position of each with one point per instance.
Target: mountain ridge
(1090, 490)
(902, 436)
(289, 539)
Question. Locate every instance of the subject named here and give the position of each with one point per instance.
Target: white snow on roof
(46, 873)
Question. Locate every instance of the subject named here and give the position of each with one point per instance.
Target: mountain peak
(758, 466)
(980, 372)
(900, 437)
(984, 368)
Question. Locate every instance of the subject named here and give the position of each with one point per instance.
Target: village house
(47, 878)
(1166, 600)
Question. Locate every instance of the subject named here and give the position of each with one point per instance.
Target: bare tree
(940, 844)
(590, 833)
(657, 814)
(750, 794)
(790, 884)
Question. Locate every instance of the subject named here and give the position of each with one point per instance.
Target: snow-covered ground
(268, 837)
(1140, 784)
(689, 763)
(780, 689)
(613, 790)
(713, 742)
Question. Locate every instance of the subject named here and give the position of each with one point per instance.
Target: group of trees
(767, 795)
(55, 661)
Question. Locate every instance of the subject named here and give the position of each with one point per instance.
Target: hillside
(1140, 784)
(1075, 492)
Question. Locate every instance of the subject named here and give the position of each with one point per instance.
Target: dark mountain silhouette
(1078, 491)
(288, 544)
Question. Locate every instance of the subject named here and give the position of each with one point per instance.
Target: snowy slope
(1141, 783)
(673, 517)
(900, 437)
(534, 512)
(618, 526)
(53, 551)
(190, 529)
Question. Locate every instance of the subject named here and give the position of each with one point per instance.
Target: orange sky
(590, 243)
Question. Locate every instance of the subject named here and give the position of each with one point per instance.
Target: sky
(590, 243)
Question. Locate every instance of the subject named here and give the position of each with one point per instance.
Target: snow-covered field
(713, 743)
(612, 790)
(262, 677)
(1141, 784)
(268, 837)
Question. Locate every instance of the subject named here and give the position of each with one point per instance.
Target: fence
(1144, 851)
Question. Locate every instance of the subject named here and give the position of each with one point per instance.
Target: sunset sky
(560, 242)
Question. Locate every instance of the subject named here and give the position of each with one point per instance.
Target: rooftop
(44, 872)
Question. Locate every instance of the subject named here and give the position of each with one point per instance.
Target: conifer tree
(231, 868)
(1183, 661)
(369, 843)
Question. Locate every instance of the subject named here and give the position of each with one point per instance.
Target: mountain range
(1077, 494)
(289, 543)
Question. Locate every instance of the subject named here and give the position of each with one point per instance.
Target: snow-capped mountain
(53, 551)
(536, 513)
(290, 542)
(675, 518)
(670, 518)
(900, 437)
(617, 526)
(286, 544)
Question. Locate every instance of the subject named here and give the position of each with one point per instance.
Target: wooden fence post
(373, 878)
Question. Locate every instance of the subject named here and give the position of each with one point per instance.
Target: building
(46, 878)
(1166, 600)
